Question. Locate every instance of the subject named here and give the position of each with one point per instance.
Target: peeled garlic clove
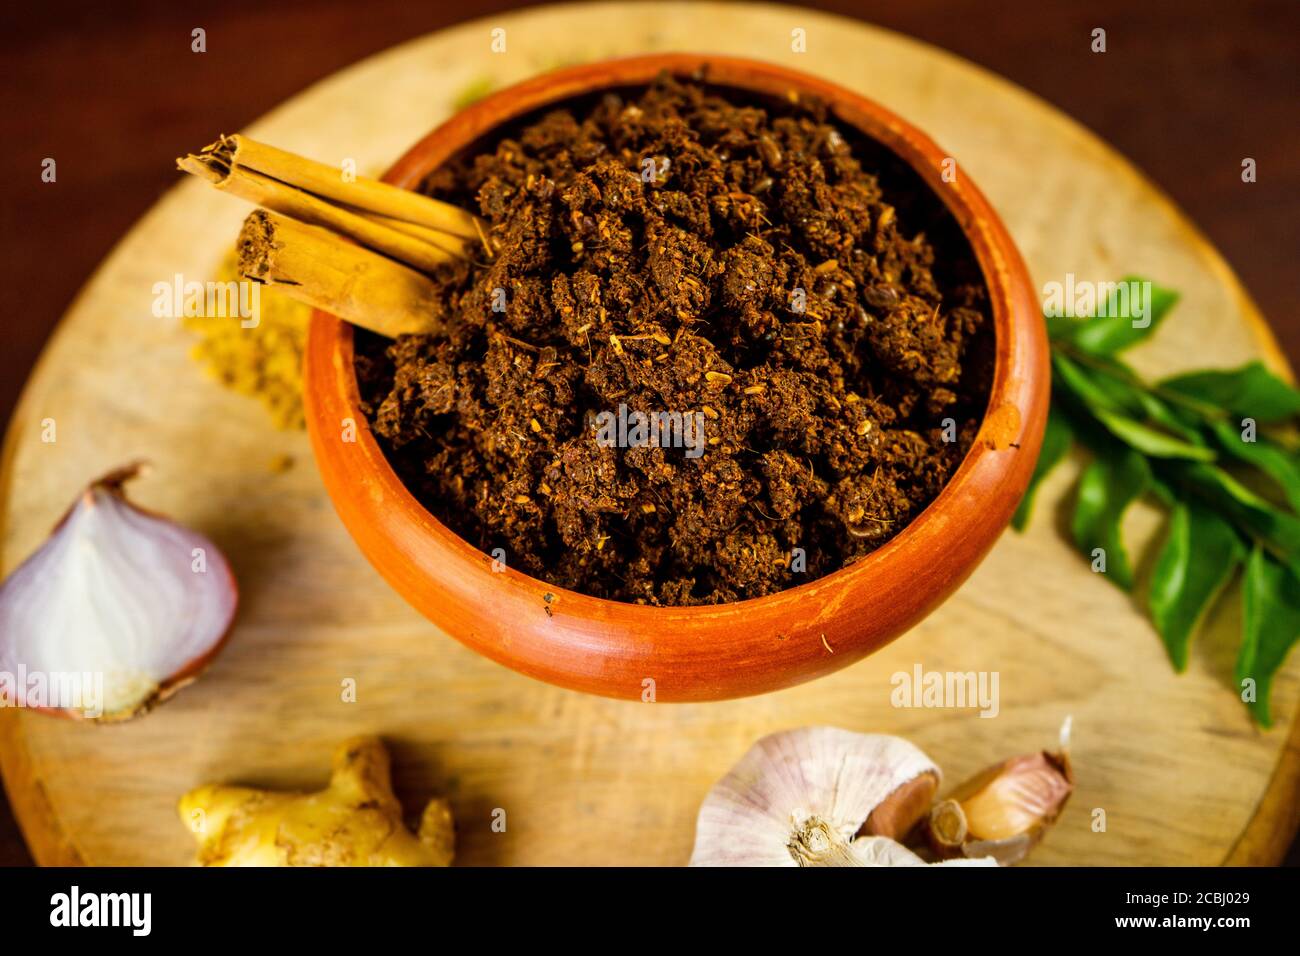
(1005, 810)
(819, 796)
(1018, 795)
(116, 611)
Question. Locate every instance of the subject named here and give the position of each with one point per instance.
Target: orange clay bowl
(695, 653)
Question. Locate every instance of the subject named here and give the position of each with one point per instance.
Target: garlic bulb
(818, 796)
(114, 612)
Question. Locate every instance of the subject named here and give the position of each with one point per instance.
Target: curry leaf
(1274, 528)
(1134, 309)
(1094, 391)
(1273, 460)
(1198, 558)
(1056, 442)
(1150, 441)
(1170, 439)
(1271, 625)
(1117, 404)
(1174, 420)
(1106, 489)
(1251, 391)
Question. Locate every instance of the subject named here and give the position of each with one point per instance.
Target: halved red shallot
(115, 612)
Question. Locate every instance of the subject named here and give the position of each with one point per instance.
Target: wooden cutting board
(1182, 775)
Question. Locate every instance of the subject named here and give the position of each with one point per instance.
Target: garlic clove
(808, 797)
(899, 813)
(1019, 795)
(116, 611)
(947, 830)
(1004, 810)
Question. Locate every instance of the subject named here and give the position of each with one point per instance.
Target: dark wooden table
(1187, 89)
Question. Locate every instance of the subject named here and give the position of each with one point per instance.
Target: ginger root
(355, 821)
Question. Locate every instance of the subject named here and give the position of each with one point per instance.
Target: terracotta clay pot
(698, 653)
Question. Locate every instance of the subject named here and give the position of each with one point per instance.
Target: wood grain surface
(1174, 762)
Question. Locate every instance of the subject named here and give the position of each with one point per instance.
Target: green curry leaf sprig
(1193, 443)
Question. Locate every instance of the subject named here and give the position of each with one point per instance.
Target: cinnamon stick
(415, 245)
(369, 194)
(360, 195)
(324, 270)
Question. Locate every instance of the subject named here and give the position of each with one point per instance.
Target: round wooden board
(1182, 775)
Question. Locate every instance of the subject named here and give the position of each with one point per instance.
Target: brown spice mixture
(647, 244)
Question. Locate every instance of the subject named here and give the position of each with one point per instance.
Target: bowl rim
(1013, 419)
